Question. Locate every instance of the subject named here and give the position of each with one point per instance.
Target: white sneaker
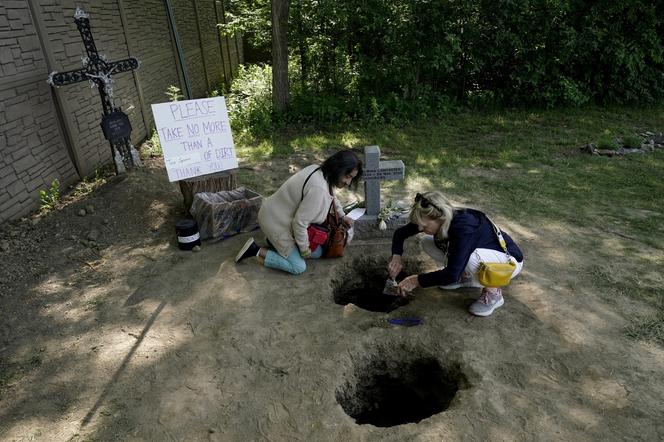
(489, 300)
(461, 284)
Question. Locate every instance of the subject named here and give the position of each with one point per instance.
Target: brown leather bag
(336, 241)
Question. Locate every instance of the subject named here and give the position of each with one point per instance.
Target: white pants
(478, 256)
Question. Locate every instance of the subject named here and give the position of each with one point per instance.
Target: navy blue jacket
(469, 230)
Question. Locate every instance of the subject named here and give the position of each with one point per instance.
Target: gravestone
(99, 71)
(376, 171)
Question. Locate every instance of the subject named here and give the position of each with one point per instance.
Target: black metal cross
(99, 71)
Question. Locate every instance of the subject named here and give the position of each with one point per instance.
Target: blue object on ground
(406, 322)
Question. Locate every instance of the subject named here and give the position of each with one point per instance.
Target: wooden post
(214, 182)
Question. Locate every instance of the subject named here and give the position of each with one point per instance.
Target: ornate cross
(99, 71)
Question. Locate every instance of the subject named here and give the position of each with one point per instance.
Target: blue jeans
(294, 264)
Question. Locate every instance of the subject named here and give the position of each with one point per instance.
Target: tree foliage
(414, 56)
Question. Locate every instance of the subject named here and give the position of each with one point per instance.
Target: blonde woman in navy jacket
(458, 240)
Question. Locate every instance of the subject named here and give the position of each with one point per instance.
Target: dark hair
(341, 164)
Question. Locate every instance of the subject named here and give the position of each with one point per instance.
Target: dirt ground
(110, 332)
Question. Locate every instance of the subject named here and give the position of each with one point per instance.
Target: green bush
(174, 93)
(607, 142)
(632, 141)
(50, 197)
(249, 100)
(151, 147)
(386, 60)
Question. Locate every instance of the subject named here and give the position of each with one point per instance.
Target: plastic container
(226, 213)
(188, 234)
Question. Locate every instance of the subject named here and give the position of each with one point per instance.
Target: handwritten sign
(195, 137)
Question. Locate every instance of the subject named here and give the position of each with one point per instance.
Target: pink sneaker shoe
(490, 299)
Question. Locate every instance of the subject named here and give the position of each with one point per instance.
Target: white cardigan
(285, 216)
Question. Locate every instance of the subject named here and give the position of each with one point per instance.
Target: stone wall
(32, 148)
(48, 133)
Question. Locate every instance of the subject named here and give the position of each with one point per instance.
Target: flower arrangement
(388, 212)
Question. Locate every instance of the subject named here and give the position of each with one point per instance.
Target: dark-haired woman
(305, 198)
(458, 240)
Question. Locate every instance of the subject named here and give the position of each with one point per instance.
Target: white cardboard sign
(195, 137)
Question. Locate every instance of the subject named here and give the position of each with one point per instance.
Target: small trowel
(391, 287)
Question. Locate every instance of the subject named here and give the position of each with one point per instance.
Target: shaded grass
(528, 165)
(647, 329)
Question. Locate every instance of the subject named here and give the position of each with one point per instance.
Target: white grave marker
(195, 137)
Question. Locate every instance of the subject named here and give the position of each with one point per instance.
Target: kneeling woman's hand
(409, 284)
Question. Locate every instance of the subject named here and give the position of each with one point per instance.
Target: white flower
(382, 225)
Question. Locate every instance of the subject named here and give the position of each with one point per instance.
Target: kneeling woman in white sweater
(304, 199)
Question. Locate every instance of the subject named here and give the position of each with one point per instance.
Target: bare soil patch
(110, 332)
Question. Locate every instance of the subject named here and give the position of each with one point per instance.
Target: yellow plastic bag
(495, 274)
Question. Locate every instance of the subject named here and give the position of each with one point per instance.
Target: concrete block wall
(207, 25)
(32, 148)
(150, 41)
(185, 18)
(48, 133)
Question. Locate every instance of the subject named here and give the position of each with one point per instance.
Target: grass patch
(94, 304)
(88, 184)
(632, 141)
(647, 329)
(527, 166)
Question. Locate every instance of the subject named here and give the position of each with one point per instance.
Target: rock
(154, 228)
(90, 208)
(403, 205)
(4, 246)
(81, 212)
(105, 222)
(647, 147)
(350, 309)
(196, 249)
(608, 152)
(35, 221)
(93, 235)
(590, 148)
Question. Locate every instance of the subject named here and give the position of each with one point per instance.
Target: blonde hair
(443, 211)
